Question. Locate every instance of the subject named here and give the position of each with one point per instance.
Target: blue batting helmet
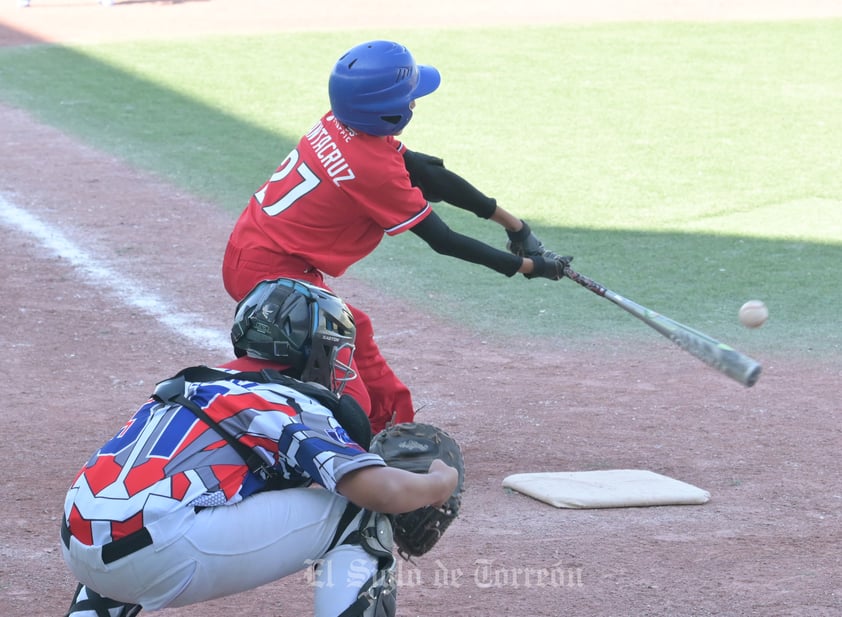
(373, 84)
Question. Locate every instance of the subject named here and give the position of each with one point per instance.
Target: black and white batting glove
(523, 242)
(548, 266)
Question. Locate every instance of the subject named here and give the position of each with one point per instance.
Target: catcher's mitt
(413, 446)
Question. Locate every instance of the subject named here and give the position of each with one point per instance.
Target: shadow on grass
(205, 150)
(700, 280)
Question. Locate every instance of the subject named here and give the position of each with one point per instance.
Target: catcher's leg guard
(88, 603)
(378, 596)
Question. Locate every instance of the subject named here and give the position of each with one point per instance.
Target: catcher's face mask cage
(299, 325)
(332, 343)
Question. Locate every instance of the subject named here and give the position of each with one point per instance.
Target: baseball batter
(203, 492)
(349, 182)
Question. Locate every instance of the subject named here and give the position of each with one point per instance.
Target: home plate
(614, 488)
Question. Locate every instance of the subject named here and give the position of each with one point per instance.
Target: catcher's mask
(372, 86)
(299, 325)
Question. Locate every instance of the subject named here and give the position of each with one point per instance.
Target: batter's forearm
(474, 251)
(445, 241)
(506, 219)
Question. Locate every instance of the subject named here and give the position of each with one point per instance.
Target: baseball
(753, 314)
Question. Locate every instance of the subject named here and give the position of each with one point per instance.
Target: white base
(618, 488)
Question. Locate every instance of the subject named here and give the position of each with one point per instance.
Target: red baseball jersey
(331, 200)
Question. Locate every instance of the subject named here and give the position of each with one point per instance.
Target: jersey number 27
(281, 202)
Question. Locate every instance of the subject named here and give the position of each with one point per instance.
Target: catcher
(208, 489)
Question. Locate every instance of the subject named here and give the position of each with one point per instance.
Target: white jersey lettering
(329, 153)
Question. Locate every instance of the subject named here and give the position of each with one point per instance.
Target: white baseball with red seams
(753, 314)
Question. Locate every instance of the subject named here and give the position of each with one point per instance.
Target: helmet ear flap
(333, 336)
(297, 320)
(319, 363)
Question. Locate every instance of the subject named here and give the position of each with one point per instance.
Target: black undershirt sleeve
(445, 241)
(438, 183)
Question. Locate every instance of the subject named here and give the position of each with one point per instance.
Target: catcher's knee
(378, 595)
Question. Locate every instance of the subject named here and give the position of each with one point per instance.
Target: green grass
(688, 166)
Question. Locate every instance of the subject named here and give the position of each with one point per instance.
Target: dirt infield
(79, 359)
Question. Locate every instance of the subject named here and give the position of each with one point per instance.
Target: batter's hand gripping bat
(718, 355)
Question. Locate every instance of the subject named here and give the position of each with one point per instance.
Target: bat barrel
(752, 375)
(715, 354)
(712, 352)
(741, 368)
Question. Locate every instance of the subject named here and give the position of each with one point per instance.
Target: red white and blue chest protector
(165, 462)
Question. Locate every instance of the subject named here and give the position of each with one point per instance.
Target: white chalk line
(98, 273)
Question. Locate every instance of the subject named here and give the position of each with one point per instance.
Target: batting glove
(523, 242)
(548, 266)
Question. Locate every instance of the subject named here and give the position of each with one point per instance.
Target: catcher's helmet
(299, 325)
(372, 86)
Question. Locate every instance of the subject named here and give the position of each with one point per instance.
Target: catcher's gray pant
(230, 549)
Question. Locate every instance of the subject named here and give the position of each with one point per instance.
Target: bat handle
(585, 282)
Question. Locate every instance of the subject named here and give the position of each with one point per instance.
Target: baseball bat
(716, 354)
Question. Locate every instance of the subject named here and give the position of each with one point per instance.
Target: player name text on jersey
(329, 154)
